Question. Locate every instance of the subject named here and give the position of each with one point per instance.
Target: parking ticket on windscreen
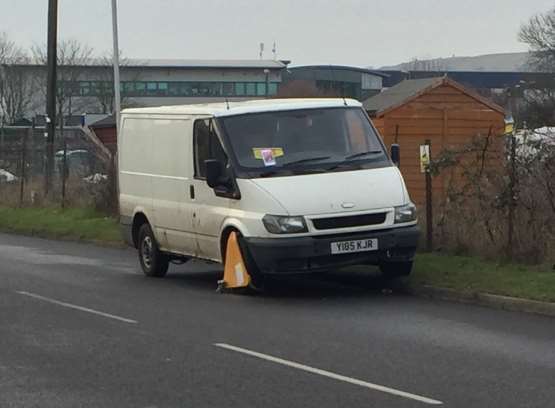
(268, 157)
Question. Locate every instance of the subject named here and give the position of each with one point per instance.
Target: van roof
(238, 108)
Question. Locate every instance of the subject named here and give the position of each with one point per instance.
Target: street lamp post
(117, 96)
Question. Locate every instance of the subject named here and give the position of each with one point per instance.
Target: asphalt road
(80, 326)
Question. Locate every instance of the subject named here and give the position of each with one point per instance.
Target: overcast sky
(355, 32)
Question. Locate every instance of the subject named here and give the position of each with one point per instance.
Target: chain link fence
(83, 176)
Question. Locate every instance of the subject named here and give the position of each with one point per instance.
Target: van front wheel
(154, 263)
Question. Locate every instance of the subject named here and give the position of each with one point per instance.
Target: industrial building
(89, 88)
(331, 80)
(480, 80)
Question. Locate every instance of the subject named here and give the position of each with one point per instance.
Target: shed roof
(107, 122)
(410, 89)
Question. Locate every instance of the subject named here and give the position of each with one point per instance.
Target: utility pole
(51, 92)
(117, 97)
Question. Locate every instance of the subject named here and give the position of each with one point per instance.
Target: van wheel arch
(138, 221)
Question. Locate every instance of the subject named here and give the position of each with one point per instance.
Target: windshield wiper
(308, 159)
(355, 156)
(269, 173)
(277, 172)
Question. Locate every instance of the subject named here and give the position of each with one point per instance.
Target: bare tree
(73, 58)
(538, 105)
(539, 34)
(16, 86)
(105, 91)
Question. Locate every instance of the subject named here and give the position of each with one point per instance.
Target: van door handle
(192, 192)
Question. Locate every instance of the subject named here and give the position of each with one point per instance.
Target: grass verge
(464, 274)
(474, 275)
(71, 224)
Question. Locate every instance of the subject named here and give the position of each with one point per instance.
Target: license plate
(359, 245)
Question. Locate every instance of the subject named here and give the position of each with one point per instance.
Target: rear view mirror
(396, 154)
(213, 172)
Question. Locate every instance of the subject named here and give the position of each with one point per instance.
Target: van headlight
(279, 224)
(405, 213)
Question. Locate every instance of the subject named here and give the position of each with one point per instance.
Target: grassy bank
(75, 224)
(471, 275)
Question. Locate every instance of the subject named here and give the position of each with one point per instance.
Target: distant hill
(492, 62)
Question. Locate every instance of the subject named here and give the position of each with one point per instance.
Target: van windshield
(300, 141)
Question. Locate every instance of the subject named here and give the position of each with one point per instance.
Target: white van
(306, 184)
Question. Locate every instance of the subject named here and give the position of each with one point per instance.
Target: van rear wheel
(154, 263)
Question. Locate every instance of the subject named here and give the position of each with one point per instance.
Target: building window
(371, 82)
(84, 88)
(251, 89)
(228, 88)
(172, 89)
(128, 88)
(162, 88)
(140, 88)
(261, 89)
(272, 88)
(239, 89)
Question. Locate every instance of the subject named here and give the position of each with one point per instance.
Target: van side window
(206, 146)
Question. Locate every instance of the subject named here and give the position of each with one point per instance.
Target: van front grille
(349, 221)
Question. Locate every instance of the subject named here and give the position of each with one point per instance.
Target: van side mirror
(396, 154)
(213, 172)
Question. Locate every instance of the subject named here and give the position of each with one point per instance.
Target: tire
(394, 270)
(154, 263)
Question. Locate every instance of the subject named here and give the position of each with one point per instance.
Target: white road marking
(81, 308)
(329, 374)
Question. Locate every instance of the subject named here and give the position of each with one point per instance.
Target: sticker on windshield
(276, 152)
(268, 157)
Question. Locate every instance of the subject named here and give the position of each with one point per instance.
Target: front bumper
(312, 254)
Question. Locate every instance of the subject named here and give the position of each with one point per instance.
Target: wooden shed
(105, 130)
(438, 109)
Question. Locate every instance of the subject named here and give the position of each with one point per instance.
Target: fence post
(2, 140)
(23, 167)
(64, 172)
(512, 177)
(429, 202)
(512, 198)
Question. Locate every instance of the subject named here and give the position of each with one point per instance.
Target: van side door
(172, 158)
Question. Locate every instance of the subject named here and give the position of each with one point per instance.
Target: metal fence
(83, 173)
(505, 211)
